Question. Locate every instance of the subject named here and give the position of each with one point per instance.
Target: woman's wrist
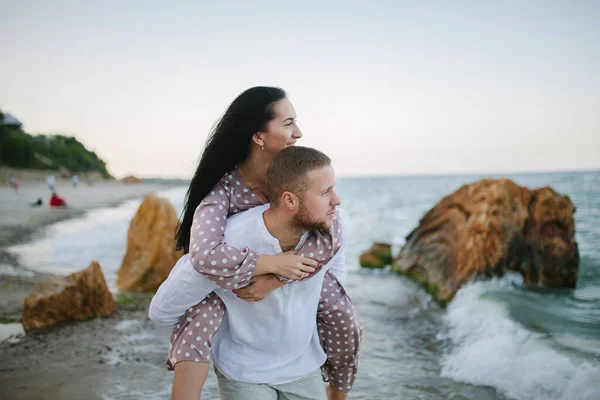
(263, 265)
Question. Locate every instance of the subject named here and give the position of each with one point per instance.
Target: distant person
(51, 182)
(75, 180)
(14, 183)
(57, 201)
(37, 203)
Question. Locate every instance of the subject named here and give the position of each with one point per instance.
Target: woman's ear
(258, 138)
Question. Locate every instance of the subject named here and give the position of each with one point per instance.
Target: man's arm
(184, 288)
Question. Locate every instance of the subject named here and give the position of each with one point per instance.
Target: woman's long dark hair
(228, 145)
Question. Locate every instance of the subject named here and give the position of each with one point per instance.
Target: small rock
(378, 256)
(75, 297)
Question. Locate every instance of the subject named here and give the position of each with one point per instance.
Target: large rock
(79, 296)
(488, 227)
(378, 256)
(150, 247)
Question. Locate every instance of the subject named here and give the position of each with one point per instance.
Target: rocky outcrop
(150, 247)
(79, 296)
(488, 227)
(378, 256)
(131, 179)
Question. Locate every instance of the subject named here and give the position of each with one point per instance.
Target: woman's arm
(260, 286)
(226, 265)
(338, 263)
(321, 246)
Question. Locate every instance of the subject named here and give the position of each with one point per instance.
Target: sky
(382, 87)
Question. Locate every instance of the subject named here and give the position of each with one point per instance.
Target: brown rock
(150, 247)
(131, 179)
(79, 296)
(488, 227)
(378, 256)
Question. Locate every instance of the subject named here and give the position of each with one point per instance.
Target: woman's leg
(191, 340)
(188, 380)
(340, 334)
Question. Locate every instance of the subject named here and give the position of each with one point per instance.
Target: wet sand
(70, 361)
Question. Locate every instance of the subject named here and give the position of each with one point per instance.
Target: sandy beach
(18, 219)
(67, 362)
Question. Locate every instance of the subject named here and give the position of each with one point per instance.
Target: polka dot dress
(231, 268)
(192, 338)
(340, 335)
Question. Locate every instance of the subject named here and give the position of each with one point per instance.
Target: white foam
(591, 292)
(69, 246)
(9, 270)
(11, 332)
(488, 348)
(127, 324)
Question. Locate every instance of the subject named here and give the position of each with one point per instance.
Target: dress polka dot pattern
(340, 335)
(230, 268)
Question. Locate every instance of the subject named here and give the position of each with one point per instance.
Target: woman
(231, 178)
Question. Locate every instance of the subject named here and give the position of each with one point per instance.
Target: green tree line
(19, 149)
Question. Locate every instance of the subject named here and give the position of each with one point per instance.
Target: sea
(497, 339)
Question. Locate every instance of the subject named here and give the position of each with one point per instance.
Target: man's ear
(258, 138)
(289, 200)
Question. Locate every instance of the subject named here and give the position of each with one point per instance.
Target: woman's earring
(262, 147)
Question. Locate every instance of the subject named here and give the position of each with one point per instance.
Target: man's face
(319, 202)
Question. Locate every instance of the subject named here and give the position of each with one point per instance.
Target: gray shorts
(311, 387)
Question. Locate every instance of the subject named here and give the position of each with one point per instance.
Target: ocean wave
(486, 347)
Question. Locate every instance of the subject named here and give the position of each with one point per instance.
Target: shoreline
(73, 360)
(19, 224)
(77, 351)
(19, 221)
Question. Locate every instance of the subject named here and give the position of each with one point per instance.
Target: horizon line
(429, 174)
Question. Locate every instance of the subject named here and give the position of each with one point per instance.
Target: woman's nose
(297, 133)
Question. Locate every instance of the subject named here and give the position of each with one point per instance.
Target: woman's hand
(288, 265)
(259, 288)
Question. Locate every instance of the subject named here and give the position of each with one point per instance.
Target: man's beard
(303, 221)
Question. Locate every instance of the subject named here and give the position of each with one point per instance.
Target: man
(268, 349)
(51, 182)
(14, 183)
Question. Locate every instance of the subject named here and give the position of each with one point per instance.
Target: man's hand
(259, 288)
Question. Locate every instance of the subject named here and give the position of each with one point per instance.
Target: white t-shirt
(272, 341)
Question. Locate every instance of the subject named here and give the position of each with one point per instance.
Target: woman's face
(282, 131)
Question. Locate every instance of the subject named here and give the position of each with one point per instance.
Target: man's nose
(335, 199)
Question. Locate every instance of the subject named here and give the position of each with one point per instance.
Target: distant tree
(15, 148)
(21, 150)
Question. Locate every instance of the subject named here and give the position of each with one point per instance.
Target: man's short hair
(288, 171)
